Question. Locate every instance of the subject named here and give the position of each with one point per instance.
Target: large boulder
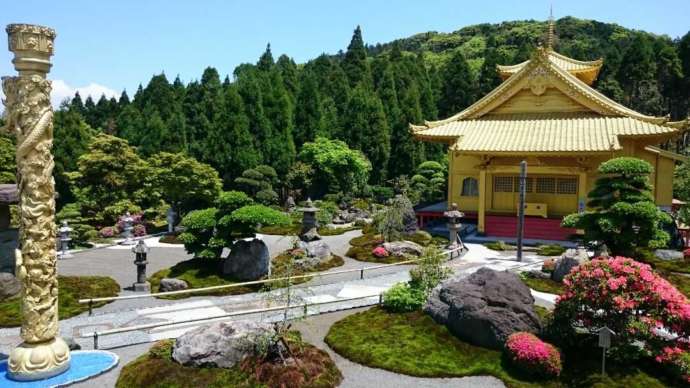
(569, 260)
(172, 284)
(220, 344)
(484, 308)
(668, 254)
(401, 248)
(248, 260)
(9, 286)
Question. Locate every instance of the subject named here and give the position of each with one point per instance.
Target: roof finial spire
(550, 38)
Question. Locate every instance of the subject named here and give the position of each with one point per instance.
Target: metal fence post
(361, 273)
(95, 340)
(90, 307)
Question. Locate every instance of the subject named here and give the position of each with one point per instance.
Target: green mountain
(368, 94)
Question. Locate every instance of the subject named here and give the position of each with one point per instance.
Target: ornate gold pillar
(29, 117)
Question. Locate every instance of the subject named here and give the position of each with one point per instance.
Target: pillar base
(38, 361)
(142, 287)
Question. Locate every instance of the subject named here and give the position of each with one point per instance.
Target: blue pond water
(84, 364)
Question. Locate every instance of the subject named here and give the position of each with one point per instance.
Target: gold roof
(542, 133)
(586, 71)
(593, 122)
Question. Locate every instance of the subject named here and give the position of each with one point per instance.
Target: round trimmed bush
(532, 355)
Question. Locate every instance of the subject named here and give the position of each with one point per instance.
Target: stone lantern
(309, 221)
(65, 238)
(141, 251)
(170, 216)
(453, 216)
(128, 222)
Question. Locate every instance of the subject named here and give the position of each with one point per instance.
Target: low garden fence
(97, 334)
(361, 271)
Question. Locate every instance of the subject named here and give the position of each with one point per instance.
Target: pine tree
(489, 78)
(366, 129)
(124, 100)
(458, 86)
(355, 62)
(637, 71)
(77, 105)
(289, 73)
(71, 139)
(308, 110)
(266, 62)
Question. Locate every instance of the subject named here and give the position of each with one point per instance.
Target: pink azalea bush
(632, 300)
(139, 230)
(380, 252)
(533, 355)
(107, 232)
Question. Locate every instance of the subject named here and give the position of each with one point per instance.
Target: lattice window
(566, 186)
(470, 187)
(529, 184)
(546, 185)
(503, 184)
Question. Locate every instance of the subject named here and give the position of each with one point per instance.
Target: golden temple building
(547, 113)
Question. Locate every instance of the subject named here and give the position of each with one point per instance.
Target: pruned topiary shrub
(532, 355)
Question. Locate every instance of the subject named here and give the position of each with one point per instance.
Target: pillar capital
(32, 46)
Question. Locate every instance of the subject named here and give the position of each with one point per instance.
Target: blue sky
(112, 45)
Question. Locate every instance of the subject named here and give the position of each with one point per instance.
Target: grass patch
(413, 344)
(499, 246)
(647, 256)
(361, 249)
(337, 231)
(157, 368)
(199, 273)
(71, 289)
(542, 285)
(550, 250)
(681, 282)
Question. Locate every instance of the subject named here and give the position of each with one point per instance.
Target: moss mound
(201, 272)
(156, 368)
(72, 288)
(543, 285)
(170, 239)
(413, 344)
(550, 250)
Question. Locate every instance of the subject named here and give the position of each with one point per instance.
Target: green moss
(413, 344)
(647, 256)
(71, 289)
(201, 272)
(681, 282)
(550, 250)
(543, 285)
(336, 231)
(499, 246)
(156, 369)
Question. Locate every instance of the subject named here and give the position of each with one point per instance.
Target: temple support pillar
(29, 117)
(581, 191)
(481, 208)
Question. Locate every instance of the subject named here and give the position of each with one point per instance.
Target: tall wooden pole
(30, 119)
(521, 208)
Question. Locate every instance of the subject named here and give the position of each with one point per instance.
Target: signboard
(605, 337)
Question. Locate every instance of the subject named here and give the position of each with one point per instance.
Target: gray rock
(71, 343)
(310, 235)
(316, 252)
(484, 308)
(248, 260)
(172, 284)
(9, 286)
(668, 254)
(220, 344)
(401, 248)
(569, 260)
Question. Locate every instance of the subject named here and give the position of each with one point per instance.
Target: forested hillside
(262, 113)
